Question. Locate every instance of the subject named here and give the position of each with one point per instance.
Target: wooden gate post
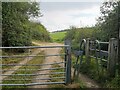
(68, 62)
(112, 56)
(118, 39)
(87, 51)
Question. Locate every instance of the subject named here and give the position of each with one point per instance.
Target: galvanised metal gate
(65, 74)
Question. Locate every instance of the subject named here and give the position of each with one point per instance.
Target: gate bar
(29, 64)
(31, 84)
(37, 69)
(28, 47)
(32, 74)
(18, 56)
(34, 79)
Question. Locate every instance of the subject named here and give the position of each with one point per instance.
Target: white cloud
(62, 19)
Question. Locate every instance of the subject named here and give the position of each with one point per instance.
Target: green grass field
(58, 36)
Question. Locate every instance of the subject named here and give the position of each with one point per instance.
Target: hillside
(58, 36)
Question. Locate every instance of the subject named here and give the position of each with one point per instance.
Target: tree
(15, 19)
(108, 20)
(0, 24)
(109, 23)
(39, 32)
(71, 32)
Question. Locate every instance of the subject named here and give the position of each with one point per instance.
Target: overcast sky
(62, 15)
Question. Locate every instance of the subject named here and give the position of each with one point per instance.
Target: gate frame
(67, 63)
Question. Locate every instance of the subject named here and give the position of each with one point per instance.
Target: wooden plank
(112, 52)
(87, 52)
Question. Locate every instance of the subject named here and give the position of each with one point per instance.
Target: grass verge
(98, 73)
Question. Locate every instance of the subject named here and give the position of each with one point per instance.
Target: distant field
(58, 36)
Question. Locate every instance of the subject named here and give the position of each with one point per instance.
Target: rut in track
(24, 61)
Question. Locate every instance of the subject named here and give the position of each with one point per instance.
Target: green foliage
(108, 21)
(39, 32)
(92, 70)
(17, 30)
(97, 73)
(114, 83)
(71, 33)
(77, 34)
(58, 36)
(108, 27)
(0, 23)
(15, 17)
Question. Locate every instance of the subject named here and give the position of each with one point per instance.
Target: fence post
(118, 49)
(68, 62)
(87, 51)
(112, 56)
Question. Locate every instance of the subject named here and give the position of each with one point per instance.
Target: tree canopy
(16, 27)
(108, 21)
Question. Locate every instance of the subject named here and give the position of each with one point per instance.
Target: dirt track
(48, 51)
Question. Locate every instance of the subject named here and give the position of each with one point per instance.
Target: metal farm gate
(62, 75)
